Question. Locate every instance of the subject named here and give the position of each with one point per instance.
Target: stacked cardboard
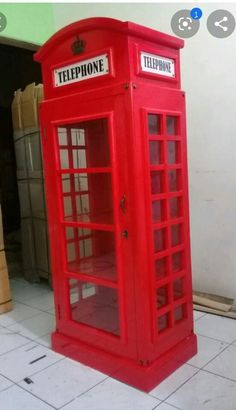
(5, 294)
(25, 118)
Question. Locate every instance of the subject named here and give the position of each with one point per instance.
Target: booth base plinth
(127, 371)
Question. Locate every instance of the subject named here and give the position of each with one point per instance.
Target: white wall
(209, 78)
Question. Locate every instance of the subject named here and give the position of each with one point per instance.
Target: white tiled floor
(207, 381)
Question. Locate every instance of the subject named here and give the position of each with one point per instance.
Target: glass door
(86, 181)
(92, 267)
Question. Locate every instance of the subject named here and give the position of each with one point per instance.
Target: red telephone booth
(114, 147)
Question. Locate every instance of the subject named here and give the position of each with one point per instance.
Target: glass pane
(161, 268)
(159, 240)
(177, 261)
(85, 145)
(155, 152)
(157, 182)
(91, 252)
(65, 180)
(82, 206)
(64, 159)
(158, 211)
(178, 288)
(94, 305)
(175, 207)
(171, 125)
(78, 136)
(74, 183)
(71, 252)
(69, 233)
(176, 235)
(67, 206)
(154, 124)
(179, 313)
(174, 180)
(173, 152)
(163, 322)
(62, 136)
(162, 296)
(88, 197)
(84, 231)
(79, 158)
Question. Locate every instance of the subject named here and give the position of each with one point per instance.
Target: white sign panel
(151, 63)
(83, 70)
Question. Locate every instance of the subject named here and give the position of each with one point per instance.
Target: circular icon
(183, 25)
(221, 23)
(3, 21)
(196, 13)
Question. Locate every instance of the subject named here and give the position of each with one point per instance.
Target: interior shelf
(103, 267)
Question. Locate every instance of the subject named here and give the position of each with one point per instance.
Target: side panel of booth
(164, 228)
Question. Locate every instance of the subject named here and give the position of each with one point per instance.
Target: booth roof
(109, 24)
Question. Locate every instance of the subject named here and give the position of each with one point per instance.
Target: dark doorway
(17, 69)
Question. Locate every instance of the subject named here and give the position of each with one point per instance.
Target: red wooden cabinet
(114, 147)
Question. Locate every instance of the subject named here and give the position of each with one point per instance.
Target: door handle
(125, 234)
(123, 204)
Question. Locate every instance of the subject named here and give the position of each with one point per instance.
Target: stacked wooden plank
(215, 304)
(5, 293)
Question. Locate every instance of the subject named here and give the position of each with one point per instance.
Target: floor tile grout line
(15, 332)
(186, 381)
(156, 407)
(34, 395)
(22, 320)
(21, 334)
(202, 368)
(172, 405)
(195, 320)
(199, 370)
(38, 295)
(66, 404)
(91, 388)
(218, 354)
(27, 337)
(164, 402)
(36, 285)
(15, 348)
(40, 310)
(31, 306)
(194, 367)
(212, 338)
(41, 343)
(219, 375)
(6, 388)
(38, 290)
(41, 370)
(33, 374)
(29, 340)
(213, 358)
(27, 391)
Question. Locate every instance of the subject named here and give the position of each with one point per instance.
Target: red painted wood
(117, 199)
